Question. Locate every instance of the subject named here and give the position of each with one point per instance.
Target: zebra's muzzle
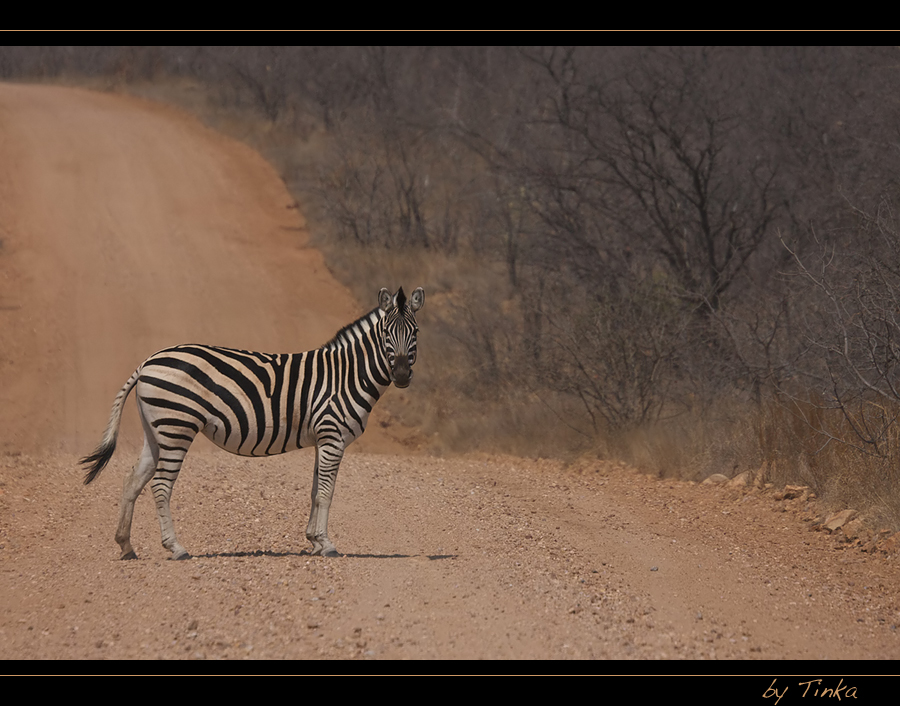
(401, 375)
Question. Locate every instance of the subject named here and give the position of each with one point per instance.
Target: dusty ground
(126, 227)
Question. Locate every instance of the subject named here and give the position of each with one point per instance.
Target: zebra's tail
(104, 452)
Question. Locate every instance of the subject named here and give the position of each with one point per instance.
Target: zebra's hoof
(181, 557)
(129, 555)
(331, 552)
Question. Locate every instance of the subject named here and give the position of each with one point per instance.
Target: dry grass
(774, 440)
(694, 445)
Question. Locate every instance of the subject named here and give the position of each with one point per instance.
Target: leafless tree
(656, 157)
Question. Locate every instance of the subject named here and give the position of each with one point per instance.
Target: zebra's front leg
(311, 525)
(328, 461)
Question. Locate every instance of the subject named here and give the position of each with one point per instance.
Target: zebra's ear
(417, 299)
(385, 300)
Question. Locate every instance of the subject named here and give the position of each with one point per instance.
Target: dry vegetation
(685, 258)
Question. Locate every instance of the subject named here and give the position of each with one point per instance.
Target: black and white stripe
(261, 404)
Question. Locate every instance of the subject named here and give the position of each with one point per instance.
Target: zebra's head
(400, 332)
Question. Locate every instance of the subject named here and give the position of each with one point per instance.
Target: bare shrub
(615, 349)
(854, 336)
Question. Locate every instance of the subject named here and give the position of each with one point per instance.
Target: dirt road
(127, 227)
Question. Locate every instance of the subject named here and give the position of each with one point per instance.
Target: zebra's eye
(412, 358)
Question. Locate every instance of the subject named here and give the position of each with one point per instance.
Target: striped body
(261, 404)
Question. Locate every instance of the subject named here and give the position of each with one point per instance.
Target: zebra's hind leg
(134, 483)
(167, 470)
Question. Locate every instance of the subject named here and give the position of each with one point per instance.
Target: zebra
(261, 404)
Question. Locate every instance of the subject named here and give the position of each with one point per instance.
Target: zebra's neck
(348, 335)
(365, 364)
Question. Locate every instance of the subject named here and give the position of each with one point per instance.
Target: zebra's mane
(361, 325)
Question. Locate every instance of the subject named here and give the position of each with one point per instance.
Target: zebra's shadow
(304, 552)
(431, 557)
